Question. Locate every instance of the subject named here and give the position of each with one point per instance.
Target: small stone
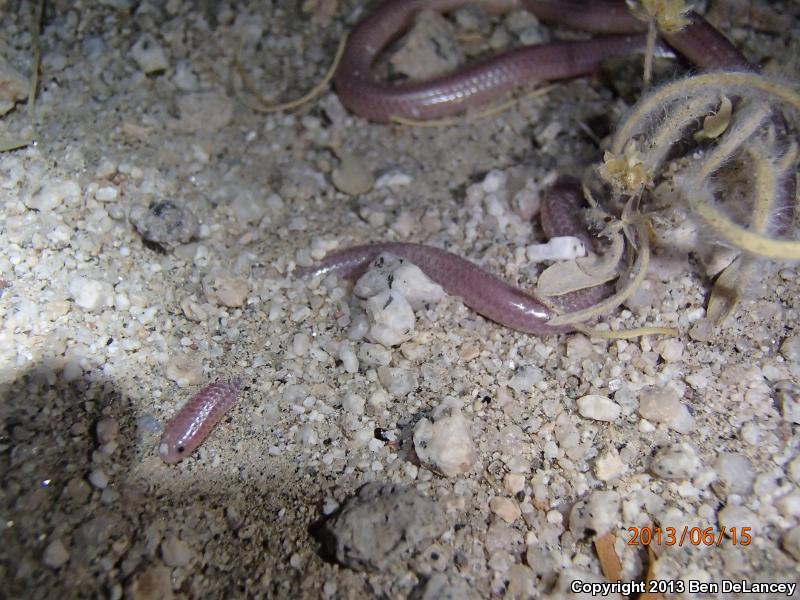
(445, 586)
(374, 355)
(514, 483)
(397, 381)
(164, 222)
(505, 508)
(353, 403)
(599, 512)
(671, 349)
(352, 176)
(521, 582)
(106, 193)
(55, 555)
(52, 195)
(391, 319)
(790, 348)
(204, 112)
(307, 435)
(793, 470)
(791, 542)
(736, 517)
(91, 294)
(789, 505)
(678, 461)
(98, 479)
(13, 86)
(429, 49)
(149, 54)
(446, 445)
(525, 378)
(300, 344)
(153, 583)
(735, 472)
(226, 289)
(107, 430)
(175, 552)
(77, 490)
(659, 405)
(598, 408)
(415, 286)
(383, 524)
(609, 466)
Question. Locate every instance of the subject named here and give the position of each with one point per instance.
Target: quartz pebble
(55, 555)
(353, 403)
(164, 222)
(659, 405)
(599, 512)
(383, 524)
(149, 55)
(445, 445)
(736, 517)
(678, 461)
(598, 408)
(107, 430)
(791, 542)
(735, 472)
(175, 552)
(91, 294)
(391, 318)
(505, 508)
(225, 289)
(397, 381)
(556, 248)
(98, 479)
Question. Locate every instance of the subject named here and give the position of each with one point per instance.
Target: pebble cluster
(148, 239)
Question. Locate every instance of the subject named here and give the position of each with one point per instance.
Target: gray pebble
(164, 222)
(55, 555)
(175, 552)
(381, 525)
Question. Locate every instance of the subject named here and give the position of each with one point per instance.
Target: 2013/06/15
(695, 536)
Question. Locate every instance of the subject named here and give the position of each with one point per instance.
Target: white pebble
(348, 358)
(55, 555)
(225, 289)
(789, 505)
(791, 542)
(494, 181)
(98, 479)
(599, 512)
(445, 445)
(525, 378)
(374, 355)
(793, 470)
(736, 472)
(671, 349)
(659, 405)
(91, 294)
(397, 381)
(505, 508)
(609, 466)
(149, 54)
(307, 435)
(514, 483)
(677, 461)
(391, 318)
(598, 408)
(353, 403)
(415, 286)
(106, 193)
(300, 344)
(175, 552)
(556, 248)
(107, 429)
(735, 516)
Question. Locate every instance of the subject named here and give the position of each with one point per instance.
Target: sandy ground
(104, 336)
